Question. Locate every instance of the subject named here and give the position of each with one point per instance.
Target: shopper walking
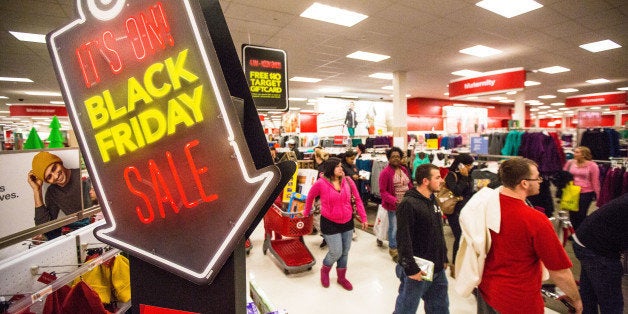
(520, 241)
(394, 181)
(335, 191)
(586, 175)
(598, 244)
(420, 234)
(459, 182)
(351, 171)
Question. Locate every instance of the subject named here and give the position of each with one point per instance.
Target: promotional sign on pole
(493, 82)
(159, 133)
(266, 72)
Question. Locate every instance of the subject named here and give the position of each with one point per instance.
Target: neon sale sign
(159, 133)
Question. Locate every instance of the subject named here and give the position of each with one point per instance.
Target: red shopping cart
(283, 236)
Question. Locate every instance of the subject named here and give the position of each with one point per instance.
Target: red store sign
(600, 99)
(489, 83)
(37, 111)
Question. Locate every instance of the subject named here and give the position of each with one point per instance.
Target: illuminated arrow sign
(159, 133)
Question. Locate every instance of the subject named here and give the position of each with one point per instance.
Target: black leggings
(454, 223)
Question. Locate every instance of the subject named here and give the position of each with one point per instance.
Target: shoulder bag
(445, 198)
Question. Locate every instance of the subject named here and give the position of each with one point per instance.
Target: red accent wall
(425, 113)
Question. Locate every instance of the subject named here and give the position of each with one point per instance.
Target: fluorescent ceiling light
(4, 111)
(480, 51)
(368, 56)
(497, 98)
(333, 15)
(305, 79)
(553, 110)
(531, 83)
(389, 87)
(466, 73)
(514, 92)
(4, 97)
(30, 37)
(297, 99)
(544, 107)
(567, 90)
(547, 96)
(16, 79)
(563, 109)
(600, 45)
(510, 8)
(534, 109)
(330, 90)
(555, 104)
(596, 107)
(507, 101)
(37, 93)
(381, 75)
(598, 81)
(555, 69)
(57, 102)
(446, 94)
(623, 88)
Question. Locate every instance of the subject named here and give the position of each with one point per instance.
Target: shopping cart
(283, 236)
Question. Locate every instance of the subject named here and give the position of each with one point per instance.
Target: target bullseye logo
(300, 225)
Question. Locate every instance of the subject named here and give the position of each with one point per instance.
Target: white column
(400, 107)
(618, 118)
(520, 108)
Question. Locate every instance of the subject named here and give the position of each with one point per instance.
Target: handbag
(354, 207)
(380, 228)
(446, 200)
(570, 198)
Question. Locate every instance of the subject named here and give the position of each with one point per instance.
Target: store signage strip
(37, 111)
(599, 99)
(488, 83)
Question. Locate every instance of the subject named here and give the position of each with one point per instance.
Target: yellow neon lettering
(158, 123)
(176, 72)
(137, 130)
(111, 107)
(96, 111)
(122, 134)
(104, 142)
(149, 81)
(137, 93)
(194, 103)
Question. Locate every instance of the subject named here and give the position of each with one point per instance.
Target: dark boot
(325, 275)
(342, 280)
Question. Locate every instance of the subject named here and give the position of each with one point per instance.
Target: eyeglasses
(540, 179)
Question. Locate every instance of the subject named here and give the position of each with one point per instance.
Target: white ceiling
(422, 37)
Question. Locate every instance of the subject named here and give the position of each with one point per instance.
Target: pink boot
(325, 275)
(342, 280)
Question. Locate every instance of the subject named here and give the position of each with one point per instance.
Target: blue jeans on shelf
(433, 293)
(339, 245)
(600, 282)
(392, 229)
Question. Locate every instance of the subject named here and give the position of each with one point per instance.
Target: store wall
(427, 113)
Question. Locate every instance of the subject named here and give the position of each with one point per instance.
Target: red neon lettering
(158, 181)
(177, 181)
(254, 62)
(196, 172)
(112, 56)
(86, 62)
(138, 210)
(134, 34)
(157, 27)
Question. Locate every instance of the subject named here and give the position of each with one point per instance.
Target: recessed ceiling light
(480, 51)
(330, 90)
(367, 56)
(534, 109)
(623, 88)
(305, 79)
(57, 102)
(37, 93)
(30, 37)
(598, 81)
(544, 107)
(16, 79)
(567, 90)
(531, 83)
(497, 98)
(446, 94)
(466, 73)
(555, 69)
(381, 75)
(509, 8)
(553, 110)
(333, 15)
(297, 99)
(507, 101)
(563, 109)
(547, 96)
(389, 87)
(600, 45)
(555, 104)
(511, 92)
(596, 107)
(4, 97)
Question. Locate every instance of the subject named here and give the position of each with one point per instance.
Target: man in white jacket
(506, 244)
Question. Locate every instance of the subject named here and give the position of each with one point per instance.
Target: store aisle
(370, 270)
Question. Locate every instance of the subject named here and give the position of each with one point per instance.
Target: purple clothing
(387, 187)
(335, 205)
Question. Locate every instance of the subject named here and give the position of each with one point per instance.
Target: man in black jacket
(420, 234)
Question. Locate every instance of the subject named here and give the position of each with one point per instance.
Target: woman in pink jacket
(335, 191)
(394, 181)
(586, 175)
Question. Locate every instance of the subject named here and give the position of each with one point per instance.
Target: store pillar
(400, 109)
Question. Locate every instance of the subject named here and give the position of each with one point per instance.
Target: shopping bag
(380, 227)
(570, 198)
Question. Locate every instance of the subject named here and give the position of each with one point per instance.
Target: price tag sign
(159, 133)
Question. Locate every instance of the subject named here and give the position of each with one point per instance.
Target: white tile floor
(370, 270)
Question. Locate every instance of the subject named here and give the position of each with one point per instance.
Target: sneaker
(380, 243)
